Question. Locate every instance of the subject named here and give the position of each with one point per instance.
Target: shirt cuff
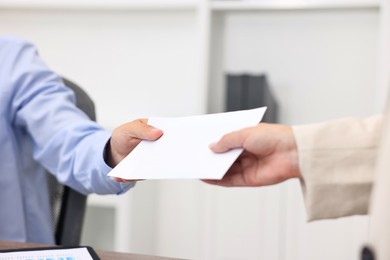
(123, 186)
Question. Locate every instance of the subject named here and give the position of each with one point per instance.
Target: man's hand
(126, 137)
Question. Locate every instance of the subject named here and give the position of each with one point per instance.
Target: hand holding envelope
(183, 152)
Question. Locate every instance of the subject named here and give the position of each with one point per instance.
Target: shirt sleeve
(64, 140)
(337, 160)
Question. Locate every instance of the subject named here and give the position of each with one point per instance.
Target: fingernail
(156, 130)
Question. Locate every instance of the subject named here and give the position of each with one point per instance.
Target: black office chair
(68, 205)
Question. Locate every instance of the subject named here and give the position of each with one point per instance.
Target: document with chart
(183, 150)
(52, 253)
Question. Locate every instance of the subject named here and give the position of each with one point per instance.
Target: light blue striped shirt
(41, 128)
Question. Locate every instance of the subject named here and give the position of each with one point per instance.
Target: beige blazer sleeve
(337, 160)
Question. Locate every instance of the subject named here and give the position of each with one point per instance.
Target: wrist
(107, 154)
(294, 156)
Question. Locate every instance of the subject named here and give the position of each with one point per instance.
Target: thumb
(227, 142)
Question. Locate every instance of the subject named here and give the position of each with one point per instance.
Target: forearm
(75, 156)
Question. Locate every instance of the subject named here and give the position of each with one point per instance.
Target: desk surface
(104, 255)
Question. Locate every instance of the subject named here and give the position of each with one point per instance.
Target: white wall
(321, 64)
(133, 63)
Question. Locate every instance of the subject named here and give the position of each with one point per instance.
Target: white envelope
(183, 150)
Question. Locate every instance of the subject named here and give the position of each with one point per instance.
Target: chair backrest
(68, 205)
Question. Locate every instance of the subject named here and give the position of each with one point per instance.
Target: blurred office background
(323, 59)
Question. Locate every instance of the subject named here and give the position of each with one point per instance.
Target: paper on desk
(183, 150)
(60, 253)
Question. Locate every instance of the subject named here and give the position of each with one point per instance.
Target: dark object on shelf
(367, 254)
(245, 91)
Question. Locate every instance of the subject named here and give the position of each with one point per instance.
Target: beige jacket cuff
(337, 160)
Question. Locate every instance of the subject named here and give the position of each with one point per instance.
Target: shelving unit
(217, 5)
(120, 206)
(118, 5)
(253, 5)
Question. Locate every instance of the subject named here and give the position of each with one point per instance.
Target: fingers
(233, 178)
(124, 180)
(212, 182)
(229, 141)
(223, 182)
(126, 137)
(228, 181)
(141, 130)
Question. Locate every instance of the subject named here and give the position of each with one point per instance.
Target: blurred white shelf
(100, 4)
(236, 5)
(217, 5)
